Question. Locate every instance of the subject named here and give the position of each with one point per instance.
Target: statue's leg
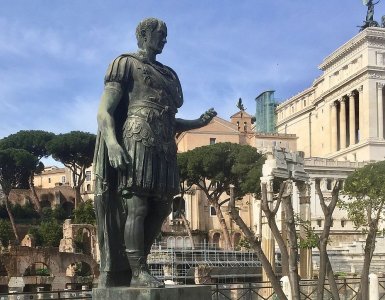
(159, 209)
(137, 208)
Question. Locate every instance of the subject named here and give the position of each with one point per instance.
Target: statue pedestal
(185, 292)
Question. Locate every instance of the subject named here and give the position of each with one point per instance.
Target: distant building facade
(239, 130)
(53, 176)
(265, 113)
(341, 116)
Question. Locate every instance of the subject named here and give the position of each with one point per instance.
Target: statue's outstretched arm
(109, 101)
(184, 125)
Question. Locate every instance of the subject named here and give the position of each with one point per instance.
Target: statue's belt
(149, 104)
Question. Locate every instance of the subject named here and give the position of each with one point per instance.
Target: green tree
(51, 232)
(49, 214)
(15, 167)
(75, 150)
(35, 142)
(34, 231)
(85, 213)
(215, 168)
(5, 232)
(26, 211)
(365, 189)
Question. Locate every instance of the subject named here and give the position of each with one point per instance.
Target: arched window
(216, 239)
(329, 184)
(83, 241)
(44, 201)
(178, 207)
(236, 238)
(80, 268)
(37, 269)
(68, 208)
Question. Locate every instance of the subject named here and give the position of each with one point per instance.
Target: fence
(347, 287)
(250, 291)
(83, 294)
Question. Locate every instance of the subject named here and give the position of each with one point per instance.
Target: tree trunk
(281, 245)
(12, 220)
(35, 198)
(282, 239)
(325, 268)
(323, 258)
(188, 229)
(332, 281)
(77, 181)
(370, 244)
(276, 232)
(78, 196)
(293, 246)
(223, 224)
(256, 246)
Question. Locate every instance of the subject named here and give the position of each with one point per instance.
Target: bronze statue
(370, 13)
(369, 22)
(135, 157)
(240, 105)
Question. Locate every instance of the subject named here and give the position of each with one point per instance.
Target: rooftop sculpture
(369, 21)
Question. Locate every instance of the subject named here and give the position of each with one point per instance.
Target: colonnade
(346, 120)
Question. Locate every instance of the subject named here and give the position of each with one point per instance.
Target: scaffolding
(179, 265)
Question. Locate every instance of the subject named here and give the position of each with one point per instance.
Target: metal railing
(347, 287)
(81, 294)
(249, 291)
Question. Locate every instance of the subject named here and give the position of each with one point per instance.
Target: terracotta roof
(244, 113)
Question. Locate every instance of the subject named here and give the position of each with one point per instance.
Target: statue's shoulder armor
(119, 69)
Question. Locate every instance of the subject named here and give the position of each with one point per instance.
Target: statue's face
(156, 39)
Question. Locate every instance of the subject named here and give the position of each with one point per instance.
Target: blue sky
(53, 54)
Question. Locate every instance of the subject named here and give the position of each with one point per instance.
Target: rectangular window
(212, 211)
(319, 223)
(49, 180)
(212, 141)
(88, 175)
(63, 179)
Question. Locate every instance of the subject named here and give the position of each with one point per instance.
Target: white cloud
(53, 54)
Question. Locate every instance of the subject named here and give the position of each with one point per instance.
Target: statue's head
(151, 33)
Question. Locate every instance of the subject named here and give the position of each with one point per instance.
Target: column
(343, 123)
(361, 113)
(188, 208)
(352, 119)
(268, 243)
(333, 126)
(380, 110)
(257, 217)
(373, 287)
(306, 264)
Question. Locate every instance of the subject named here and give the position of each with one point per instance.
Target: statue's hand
(117, 157)
(208, 116)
